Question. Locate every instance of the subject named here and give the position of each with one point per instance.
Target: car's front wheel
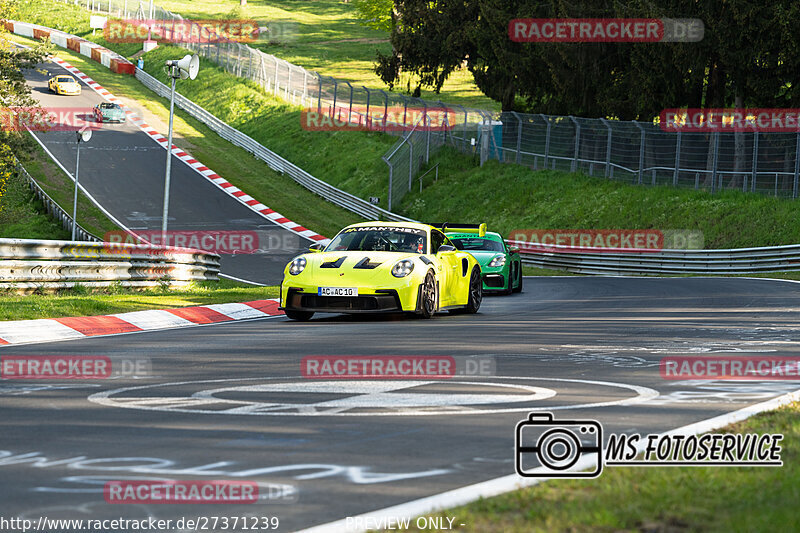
(475, 292)
(427, 295)
(302, 316)
(518, 288)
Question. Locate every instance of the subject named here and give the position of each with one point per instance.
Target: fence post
(519, 137)
(796, 165)
(426, 121)
(755, 162)
(641, 153)
(305, 88)
(350, 104)
(288, 82)
(714, 164)
(546, 140)
(677, 160)
(367, 121)
(319, 95)
(385, 108)
(574, 164)
(410, 164)
(608, 148)
(335, 95)
(391, 175)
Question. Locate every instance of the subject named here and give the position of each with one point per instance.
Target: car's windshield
(108, 106)
(380, 239)
(64, 79)
(477, 244)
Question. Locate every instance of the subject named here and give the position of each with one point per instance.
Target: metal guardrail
(52, 208)
(277, 163)
(27, 264)
(647, 262)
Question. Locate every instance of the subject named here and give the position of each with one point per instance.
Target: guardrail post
(546, 140)
(755, 162)
(796, 165)
(574, 164)
(714, 165)
(641, 153)
(677, 160)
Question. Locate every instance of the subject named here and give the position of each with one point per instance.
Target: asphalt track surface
(351, 447)
(123, 169)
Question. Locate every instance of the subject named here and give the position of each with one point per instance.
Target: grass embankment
(83, 302)
(23, 216)
(656, 499)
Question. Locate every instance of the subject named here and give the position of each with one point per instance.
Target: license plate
(337, 291)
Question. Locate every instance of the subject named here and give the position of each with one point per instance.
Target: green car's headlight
(498, 261)
(402, 268)
(297, 265)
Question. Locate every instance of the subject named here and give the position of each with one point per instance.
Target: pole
(75, 197)
(169, 163)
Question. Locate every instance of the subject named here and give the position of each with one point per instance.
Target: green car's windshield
(379, 239)
(478, 244)
(109, 106)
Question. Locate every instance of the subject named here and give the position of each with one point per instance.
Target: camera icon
(548, 448)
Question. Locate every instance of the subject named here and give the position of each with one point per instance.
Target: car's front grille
(494, 280)
(386, 301)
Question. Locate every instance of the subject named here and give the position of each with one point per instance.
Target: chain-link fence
(634, 152)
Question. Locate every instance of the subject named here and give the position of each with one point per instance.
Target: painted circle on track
(275, 396)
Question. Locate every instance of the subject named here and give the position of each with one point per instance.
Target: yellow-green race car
(64, 85)
(375, 267)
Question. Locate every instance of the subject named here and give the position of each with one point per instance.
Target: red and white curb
(216, 179)
(58, 329)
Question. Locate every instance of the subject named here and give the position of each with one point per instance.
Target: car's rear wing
(479, 229)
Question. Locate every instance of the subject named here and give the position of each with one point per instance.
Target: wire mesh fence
(634, 152)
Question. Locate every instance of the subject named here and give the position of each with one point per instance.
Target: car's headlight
(297, 265)
(498, 261)
(402, 268)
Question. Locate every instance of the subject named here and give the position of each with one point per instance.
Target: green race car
(108, 112)
(501, 265)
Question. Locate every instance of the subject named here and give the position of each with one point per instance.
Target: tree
(375, 14)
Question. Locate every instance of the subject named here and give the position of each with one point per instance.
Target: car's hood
(483, 256)
(68, 85)
(340, 268)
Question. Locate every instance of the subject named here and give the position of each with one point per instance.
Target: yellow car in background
(66, 85)
(375, 267)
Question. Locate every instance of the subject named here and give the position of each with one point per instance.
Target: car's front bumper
(301, 297)
(67, 93)
(494, 278)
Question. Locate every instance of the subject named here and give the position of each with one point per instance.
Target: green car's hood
(346, 273)
(484, 257)
(113, 113)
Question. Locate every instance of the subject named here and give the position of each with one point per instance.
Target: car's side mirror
(316, 247)
(513, 249)
(446, 248)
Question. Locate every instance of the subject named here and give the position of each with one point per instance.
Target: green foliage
(375, 14)
(748, 57)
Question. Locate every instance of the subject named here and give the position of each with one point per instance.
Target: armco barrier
(27, 264)
(275, 162)
(93, 51)
(671, 262)
(52, 208)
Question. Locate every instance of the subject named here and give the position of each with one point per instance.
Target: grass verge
(23, 216)
(83, 302)
(656, 499)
